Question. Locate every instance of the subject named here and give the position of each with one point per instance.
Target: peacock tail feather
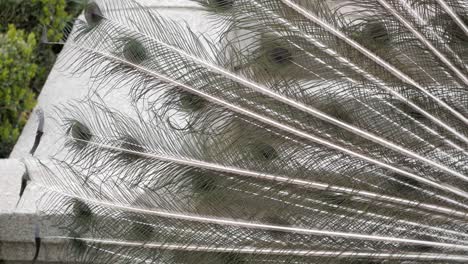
(308, 132)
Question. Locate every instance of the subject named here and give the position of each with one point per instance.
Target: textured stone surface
(11, 171)
(17, 239)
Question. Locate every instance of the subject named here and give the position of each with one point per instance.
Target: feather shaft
(367, 75)
(453, 15)
(423, 40)
(430, 130)
(270, 251)
(282, 179)
(308, 109)
(385, 218)
(279, 125)
(422, 22)
(255, 225)
(397, 73)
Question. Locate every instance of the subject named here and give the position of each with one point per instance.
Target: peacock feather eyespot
(80, 133)
(334, 198)
(93, 14)
(129, 143)
(134, 51)
(417, 115)
(340, 112)
(413, 113)
(378, 32)
(222, 5)
(81, 210)
(202, 183)
(280, 56)
(191, 102)
(374, 35)
(458, 33)
(264, 152)
(139, 229)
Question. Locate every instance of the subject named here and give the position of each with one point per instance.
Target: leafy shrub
(31, 15)
(25, 64)
(17, 70)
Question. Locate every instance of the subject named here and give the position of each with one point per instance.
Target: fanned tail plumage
(307, 133)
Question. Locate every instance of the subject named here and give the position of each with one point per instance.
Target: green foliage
(31, 15)
(25, 64)
(17, 70)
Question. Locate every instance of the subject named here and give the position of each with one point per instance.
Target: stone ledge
(17, 239)
(11, 171)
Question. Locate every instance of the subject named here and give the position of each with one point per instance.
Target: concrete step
(17, 239)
